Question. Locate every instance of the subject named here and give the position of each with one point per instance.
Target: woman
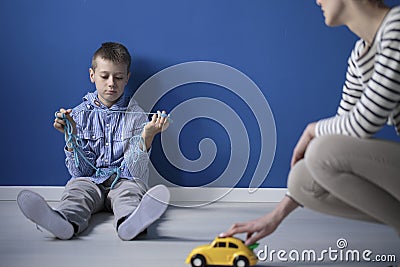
(336, 167)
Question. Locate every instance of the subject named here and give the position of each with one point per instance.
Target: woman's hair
(115, 52)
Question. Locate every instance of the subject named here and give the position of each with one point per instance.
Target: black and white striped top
(371, 92)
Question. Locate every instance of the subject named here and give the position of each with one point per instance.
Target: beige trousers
(350, 177)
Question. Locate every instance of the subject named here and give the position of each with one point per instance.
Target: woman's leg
(308, 193)
(364, 173)
(351, 178)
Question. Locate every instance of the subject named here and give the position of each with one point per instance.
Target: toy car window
(220, 245)
(231, 245)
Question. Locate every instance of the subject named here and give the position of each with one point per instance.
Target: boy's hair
(115, 52)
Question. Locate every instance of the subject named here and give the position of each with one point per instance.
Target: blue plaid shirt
(105, 134)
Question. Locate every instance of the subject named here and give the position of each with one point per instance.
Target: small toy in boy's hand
(227, 251)
(163, 115)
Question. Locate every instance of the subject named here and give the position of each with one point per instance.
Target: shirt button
(93, 136)
(107, 144)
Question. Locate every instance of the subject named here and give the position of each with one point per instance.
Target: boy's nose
(111, 82)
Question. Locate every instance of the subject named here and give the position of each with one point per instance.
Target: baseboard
(178, 194)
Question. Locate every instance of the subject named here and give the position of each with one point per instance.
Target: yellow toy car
(229, 251)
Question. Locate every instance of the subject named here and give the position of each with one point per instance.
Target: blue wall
(281, 45)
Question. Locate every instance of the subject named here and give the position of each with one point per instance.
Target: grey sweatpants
(82, 198)
(350, 177)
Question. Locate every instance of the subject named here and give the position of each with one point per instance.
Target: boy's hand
(59, 123)
(158, 124)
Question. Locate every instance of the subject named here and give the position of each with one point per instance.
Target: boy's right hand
(59, 123)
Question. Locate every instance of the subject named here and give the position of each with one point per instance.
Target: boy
(100, 129)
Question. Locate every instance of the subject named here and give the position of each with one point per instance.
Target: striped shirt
(371, 92)
(105, 134)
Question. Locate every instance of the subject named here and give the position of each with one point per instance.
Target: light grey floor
(172, 238)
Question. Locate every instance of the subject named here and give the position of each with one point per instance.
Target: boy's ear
(91, 74)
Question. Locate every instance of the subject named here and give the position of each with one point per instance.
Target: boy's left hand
(159, 123)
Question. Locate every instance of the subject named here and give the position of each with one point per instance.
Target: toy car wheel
(241, 262)
(198, 261)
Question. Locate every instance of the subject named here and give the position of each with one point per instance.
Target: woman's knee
(302, 186)
(323, 156)
(319, 149)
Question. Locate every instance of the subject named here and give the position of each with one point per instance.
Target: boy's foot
(151, 207)
(36, 209)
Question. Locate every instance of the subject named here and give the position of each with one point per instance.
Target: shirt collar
(92, 98)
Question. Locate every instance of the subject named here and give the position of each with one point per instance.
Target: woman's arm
(365, 108)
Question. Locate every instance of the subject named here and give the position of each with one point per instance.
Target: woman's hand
(302, 144)
(255, 229)
(265, 225)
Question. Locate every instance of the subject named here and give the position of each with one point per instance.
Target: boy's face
(110, 80)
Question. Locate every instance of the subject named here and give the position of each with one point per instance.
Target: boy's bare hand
(159, 123)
